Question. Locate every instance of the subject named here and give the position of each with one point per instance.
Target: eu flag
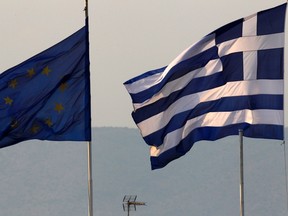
(47, 97)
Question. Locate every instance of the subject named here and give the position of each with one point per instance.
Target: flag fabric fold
(47, 97)
(231, 79)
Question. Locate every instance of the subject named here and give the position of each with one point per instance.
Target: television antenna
(130, 203)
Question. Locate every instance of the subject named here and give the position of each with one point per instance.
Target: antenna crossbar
(129, 203)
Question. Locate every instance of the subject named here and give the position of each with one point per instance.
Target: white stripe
(219, 119)
(210, 68)
(239, 88)
(204, 44)
(145, 83)
(250, 65)
(250, 58)
(249, 26)
(252, 43)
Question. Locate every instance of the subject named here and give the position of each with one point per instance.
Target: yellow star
(59, 107)
(31, 72)
(13, 83)
(63, 86)
(8, 101)
(35, 129)
(14, 124)
(48, 122)
(46, 71)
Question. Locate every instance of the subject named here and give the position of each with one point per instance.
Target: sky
(127, 38)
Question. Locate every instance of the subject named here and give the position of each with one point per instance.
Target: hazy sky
(127, 38)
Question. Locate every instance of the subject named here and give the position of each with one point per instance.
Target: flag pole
(89, 146)
(241, 174)
(285, 98)
(90, 181)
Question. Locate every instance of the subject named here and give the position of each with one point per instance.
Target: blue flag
(47, 97)
(231, 79)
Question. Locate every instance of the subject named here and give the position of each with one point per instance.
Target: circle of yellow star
(46, 71)
(30, 72)
(35, 129)
(59, 107)
(14, 124)
(48, 122)
(13, 83)
(63, 86)
(8, 101)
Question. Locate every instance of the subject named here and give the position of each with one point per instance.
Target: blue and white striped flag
(231, 79)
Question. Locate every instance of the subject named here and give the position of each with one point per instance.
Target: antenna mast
(129, 203)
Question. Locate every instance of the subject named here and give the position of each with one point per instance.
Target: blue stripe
(212, 134)
(253, 102)
(176, 72)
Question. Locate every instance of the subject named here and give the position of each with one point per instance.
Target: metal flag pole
(285, 104)
(90, 181)
(241, 174)
(89, 146)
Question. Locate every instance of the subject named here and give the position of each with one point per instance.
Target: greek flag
(231, 79)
